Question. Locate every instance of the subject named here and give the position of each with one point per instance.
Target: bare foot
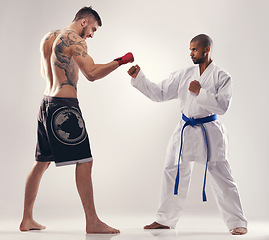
(239, 231)
(100, 227)
(30, 224)
(156, 225)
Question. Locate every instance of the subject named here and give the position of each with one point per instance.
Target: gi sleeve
(163, 91)
(217, 103)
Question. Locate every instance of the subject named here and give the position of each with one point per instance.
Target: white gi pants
(223, 186)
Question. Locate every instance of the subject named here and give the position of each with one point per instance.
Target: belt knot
(192, 122)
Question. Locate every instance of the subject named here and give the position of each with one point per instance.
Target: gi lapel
(205, 76)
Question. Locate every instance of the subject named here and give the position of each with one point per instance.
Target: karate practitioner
(204, 91)
(62, 136)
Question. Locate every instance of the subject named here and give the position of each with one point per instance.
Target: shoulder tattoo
(81, 49)
(52, 34)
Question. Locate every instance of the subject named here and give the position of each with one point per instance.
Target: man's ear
(84, 22)
(207, 50)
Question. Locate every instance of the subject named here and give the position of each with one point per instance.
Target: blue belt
(192, 122)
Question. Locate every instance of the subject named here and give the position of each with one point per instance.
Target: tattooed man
(62, 136)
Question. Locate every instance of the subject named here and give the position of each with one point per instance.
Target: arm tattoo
(77, 52)
(84, 54)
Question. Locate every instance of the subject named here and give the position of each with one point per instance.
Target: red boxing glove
(128, 57)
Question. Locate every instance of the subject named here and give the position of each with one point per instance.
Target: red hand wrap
(128, 57)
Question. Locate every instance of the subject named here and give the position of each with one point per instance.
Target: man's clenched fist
(195, 87)
(128, 57)
(133, 71)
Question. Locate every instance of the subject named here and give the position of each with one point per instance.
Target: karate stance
(204, 90)
(62, 136)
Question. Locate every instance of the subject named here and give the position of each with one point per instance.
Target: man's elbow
(221, 111)
(223, 108)
(223, 104)
(91, 77)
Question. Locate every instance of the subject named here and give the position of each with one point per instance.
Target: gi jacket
(214, 98)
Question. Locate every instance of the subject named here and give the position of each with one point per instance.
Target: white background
(128, 132)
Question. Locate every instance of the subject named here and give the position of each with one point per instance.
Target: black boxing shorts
(61, 133)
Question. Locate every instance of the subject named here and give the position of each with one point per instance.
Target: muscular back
(58, 49)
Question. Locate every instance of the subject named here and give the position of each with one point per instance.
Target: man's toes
(239, 231)
(156, 225)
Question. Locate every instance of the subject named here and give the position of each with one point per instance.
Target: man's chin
(197, 61)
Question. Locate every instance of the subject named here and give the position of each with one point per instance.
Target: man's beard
(199, 60)
(83, 34)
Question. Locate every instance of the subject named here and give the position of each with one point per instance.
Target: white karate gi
(214, 98)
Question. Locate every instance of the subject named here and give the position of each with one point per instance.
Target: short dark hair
(87, 12)
(203, 40)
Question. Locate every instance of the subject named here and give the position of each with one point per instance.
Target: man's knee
(42, 165)
(87, 165)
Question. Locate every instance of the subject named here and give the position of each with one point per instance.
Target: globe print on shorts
(68, 126)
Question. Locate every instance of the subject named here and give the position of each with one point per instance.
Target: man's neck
(204, 65)
(73, 27)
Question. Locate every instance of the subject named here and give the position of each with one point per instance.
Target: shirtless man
(62, 136)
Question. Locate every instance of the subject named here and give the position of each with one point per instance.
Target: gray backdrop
(128, 132)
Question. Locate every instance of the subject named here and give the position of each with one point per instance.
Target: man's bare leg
(85, 190)
(156, 225)
(31, 189)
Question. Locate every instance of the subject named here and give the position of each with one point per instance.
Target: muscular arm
(87, 66)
